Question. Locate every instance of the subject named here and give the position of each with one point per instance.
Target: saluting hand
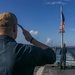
(27, 35)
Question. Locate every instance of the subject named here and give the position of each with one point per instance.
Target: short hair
(7, 19)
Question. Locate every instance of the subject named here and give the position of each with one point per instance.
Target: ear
(14, 28)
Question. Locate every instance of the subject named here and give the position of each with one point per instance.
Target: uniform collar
(6, 37)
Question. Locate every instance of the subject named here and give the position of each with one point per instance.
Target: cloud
(55, 2)
(48, 41)
(32, 32)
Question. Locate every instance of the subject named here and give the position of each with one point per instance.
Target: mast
(62, 26)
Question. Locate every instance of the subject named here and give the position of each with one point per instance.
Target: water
(70, 56)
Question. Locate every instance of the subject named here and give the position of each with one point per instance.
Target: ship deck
(54, 70)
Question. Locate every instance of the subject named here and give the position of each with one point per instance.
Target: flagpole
(62, 39)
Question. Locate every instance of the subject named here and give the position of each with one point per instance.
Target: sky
(42, 19)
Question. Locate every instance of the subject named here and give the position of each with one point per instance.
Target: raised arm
(29, 38)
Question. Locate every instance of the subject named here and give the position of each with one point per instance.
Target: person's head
(8, 24)
(63, 45)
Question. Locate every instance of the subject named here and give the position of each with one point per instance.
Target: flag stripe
(63, 18)
(62, 23)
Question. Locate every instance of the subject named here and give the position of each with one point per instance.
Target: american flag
(62, 23)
